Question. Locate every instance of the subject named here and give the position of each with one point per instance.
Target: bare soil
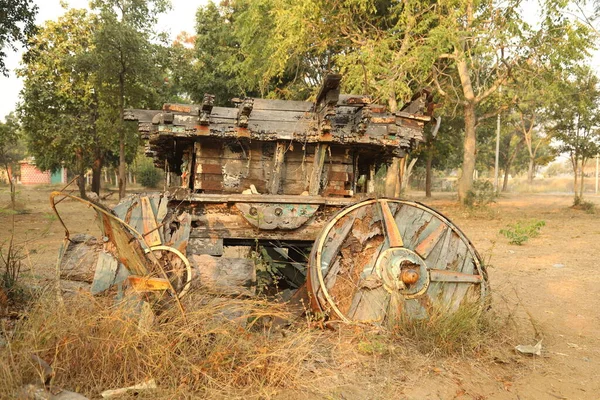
(549, 288)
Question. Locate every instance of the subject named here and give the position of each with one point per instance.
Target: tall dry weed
(93, 347)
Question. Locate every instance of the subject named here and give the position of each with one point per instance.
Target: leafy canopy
(17, 23)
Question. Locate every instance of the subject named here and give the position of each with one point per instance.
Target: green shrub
(481, 194)
(520, 232)
(149, 176)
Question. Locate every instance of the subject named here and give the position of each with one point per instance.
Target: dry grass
(92, 348)
(466, 332)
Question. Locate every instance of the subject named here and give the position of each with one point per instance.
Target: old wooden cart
(295, 182)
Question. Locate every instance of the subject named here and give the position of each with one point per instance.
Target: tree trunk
(428, 173)
(81, 185)
(13, 193)
(96, 174)
(122, 164)
(581, 180)
(505, 181)
(575, 181)
(392, 178)
(530, 171)
(465, 183)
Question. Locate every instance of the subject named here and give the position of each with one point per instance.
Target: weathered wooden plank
(180, 237)
(392, 232)
(150, 227)
(455, 265)
(80, 258)
(105, 273)
(430, 237)
(314, 185)
(125, 246)
(282, 105)
(278, 168)
(279, 115)
(121, 209)
(147, 283)
(372, 306)
(224, 112)
(136, 220)
(232, 276)
(161, 213)
(442, 275)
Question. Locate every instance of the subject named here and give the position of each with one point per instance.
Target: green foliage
(481, 195)
(11, 149)
(60, 106)
(80, 73)
(149, 176)
(576, 118)
(17, 23)
(520, 232)
(212, 64)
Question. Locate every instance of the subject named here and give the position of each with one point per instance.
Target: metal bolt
(409, 276)
(278, 211)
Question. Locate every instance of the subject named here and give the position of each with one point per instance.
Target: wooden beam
(315, 176)
(442, 275)
(150, 232)
(264, 198)
(148, 284)
(278, 165)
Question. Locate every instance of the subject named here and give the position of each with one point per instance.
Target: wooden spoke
(391, 229)
(361, 263)
(441, 275)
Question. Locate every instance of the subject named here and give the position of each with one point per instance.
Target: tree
(17, 23)
(209, 61)
(576, 125)
(467, 49)
(371, 42)
(10, 150)
(511, 147)
(127, 64)
(60, 109)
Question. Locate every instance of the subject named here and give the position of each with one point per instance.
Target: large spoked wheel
(175, 265)
(383, 260)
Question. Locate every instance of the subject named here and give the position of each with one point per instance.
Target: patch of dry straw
(93, 347)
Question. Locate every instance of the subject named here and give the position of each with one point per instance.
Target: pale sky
(182, 17)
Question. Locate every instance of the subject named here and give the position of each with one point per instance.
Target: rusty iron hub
(402, 270)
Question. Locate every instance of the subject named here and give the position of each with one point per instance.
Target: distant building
(31, 175)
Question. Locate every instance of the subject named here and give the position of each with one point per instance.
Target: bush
(521, 231)
(587, 206)
(481, 194)
(149, 176)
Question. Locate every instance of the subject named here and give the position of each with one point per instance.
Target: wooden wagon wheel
(382, 260)
(176, 266)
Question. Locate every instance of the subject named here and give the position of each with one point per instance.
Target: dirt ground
(549, 284)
